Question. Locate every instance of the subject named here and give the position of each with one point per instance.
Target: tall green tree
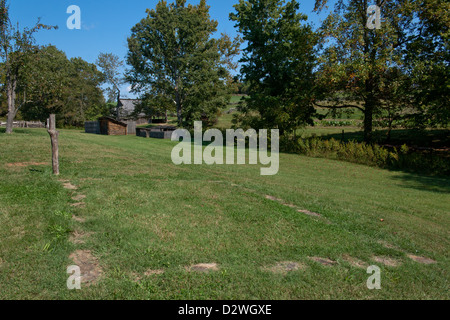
(278, 64)
(68, 88)
(85, 100)
(385, 70)
(44, 82)
(174, 56)
(15, 45)
(427, 61)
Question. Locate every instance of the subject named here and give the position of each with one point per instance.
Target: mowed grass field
(141, 222)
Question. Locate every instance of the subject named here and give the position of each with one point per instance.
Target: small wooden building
(112, 127)
(159, 132)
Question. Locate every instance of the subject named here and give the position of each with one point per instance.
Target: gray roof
(127, 107)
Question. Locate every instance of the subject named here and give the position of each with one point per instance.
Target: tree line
(286, 67)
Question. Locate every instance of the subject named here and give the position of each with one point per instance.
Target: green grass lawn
(143, 213)
(224, 121)
(236, 98)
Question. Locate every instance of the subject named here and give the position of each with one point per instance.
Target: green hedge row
(337, 123)
(371, 154)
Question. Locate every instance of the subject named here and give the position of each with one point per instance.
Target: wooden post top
(52, 123)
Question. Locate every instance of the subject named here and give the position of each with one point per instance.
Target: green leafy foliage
(175, 61)
(68, 88)
(277, 65)
(399, 71)
(356, 62)
(427, 60)
(15, 47)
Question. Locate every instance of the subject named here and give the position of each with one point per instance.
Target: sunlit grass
(146, 213)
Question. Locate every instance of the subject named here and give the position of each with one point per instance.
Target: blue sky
(106, 24)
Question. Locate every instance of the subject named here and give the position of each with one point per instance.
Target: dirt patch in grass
(387, 261)
(324, 261)
(148, 273)
(79, 197)
(163, 234)
(285, 267)
(355, 262)
(69, 186)
(203, 267)
(26, 164)
(78, 205)
(79, 237)
(387, 245)
(18, 232)
(307, 212)
(78, 219)
(89, 266)
(422, 260)
(273, 198)
(419, 259)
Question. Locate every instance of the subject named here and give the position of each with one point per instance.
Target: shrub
(370, 154)
(336, 123)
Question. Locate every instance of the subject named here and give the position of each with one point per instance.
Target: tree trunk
(388, 134)
(178, 101)
(54, 140)
(9, 123)
(179, 116)
(11, 83)
(368, 119)
(370, 103)
(179, 110)
(118, 107)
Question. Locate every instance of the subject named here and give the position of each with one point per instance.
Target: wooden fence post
(54, 139)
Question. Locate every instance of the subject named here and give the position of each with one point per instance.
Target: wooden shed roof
(113, 121)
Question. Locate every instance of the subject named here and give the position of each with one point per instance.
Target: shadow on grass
(424, 183)
(27, 131)
(346, 136)
(438, 138)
